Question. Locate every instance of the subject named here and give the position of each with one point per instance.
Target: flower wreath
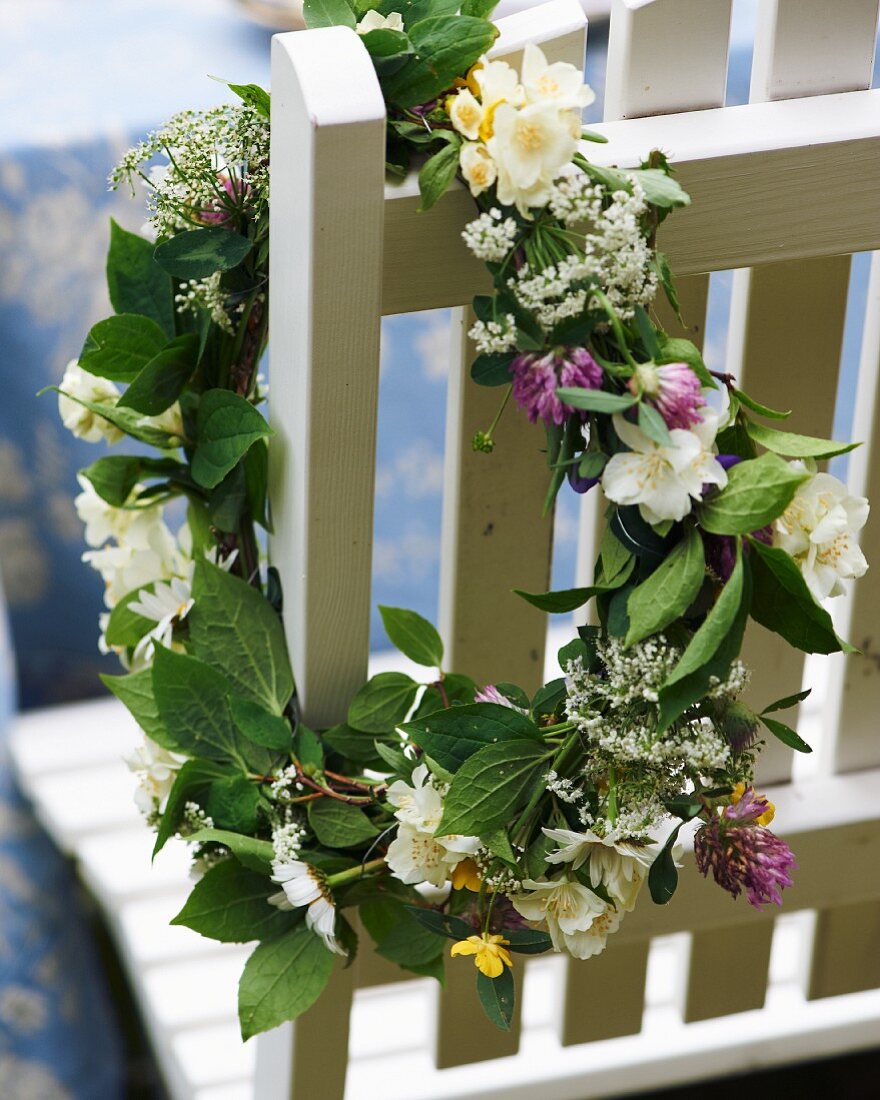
(446, 810)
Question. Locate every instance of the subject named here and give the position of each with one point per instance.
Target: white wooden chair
(785, 189)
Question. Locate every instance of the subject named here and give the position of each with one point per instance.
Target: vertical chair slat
(650, 46)
(326, 258)
(846, 946)
(783, 362)
(739, 959)
(801, 48)
(494, 540)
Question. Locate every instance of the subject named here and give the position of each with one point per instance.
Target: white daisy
(302, 884)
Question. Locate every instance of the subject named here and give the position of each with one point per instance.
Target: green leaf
(787, 702)
(482, 9)
(756, 493)
(230, 904)
(445, 47)
(198, 253)
(408, 943)
(254, 96)
(716, 626)
(125, 627)
(353, 744)
(528, 941)
(569, 599)
(126, 420)
(669, 591)
(190, 785)
(135, 281)
(452, 736)
(615, 559)
(383, 702)
(255, 854)
(135, 692)
(328, 13)
(163, 379)
(413, 635)
(259, 725)
(281, 979)
(114, 476)
(663, 875)
(307, 747)
(785, 734)
(757, 407)
(191, 701)
(492, 369)
(441, 924)
(548, 698)
(490, 786)
(784, 604)
(227, 427)
(256, 475)
(337, 825)
(660, 189)
(231, 803)
(498, 997)
(233, 628)
(595, 400)
(437, 173)
(796, 446)
(653, 424)
(121, 346)
(389, 50)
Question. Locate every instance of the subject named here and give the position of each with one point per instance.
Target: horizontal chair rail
(770, 182)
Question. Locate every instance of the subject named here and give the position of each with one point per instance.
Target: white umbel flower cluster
(490, 236)
(494, 336)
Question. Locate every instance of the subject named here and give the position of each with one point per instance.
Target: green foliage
(190, 785)
(785, 734)
(253, 853)
(452, 736)
(328, 13)
(663, 875)
(199, 253)
(337, 825)
(492, 369)
(796, 446)
(675, 349)
(756, 493)
(569, 599)
(413, 635)
(126, 420)
(281, 979)
(596, 400)
(232, 803)
(383, 702)
(438, 172)
(254, 96)
(135, 692)
(498, 997)
(490, 786)
(228, 426)
(135, 281)
(389, 50)
(120, 347)
(230, 904)
(669, 591)
(784, 604)
(113, 477)
(253, 657)
(260, 725)
(125, 627)
(163, 379)
(445, 47)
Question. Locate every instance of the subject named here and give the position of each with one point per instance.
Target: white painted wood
(326, 259)
(812, 47)
(653, 43)
(738, 163)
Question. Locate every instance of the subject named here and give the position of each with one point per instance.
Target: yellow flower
(470, 81)
(466, 876)
(489, 951)
(767, 816)
(487, 126)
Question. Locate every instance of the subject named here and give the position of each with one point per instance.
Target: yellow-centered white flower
(466, 113)
(498, 83)
(374, 21)
(416, 854)
(304, 885)
(530, 147)
(577, 920)
(664, 479)
(477, 167)
(156, 769)
(818, 529)
(560, 83)
(82, 422)
(619, 865)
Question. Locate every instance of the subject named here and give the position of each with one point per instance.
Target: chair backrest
(785, 188)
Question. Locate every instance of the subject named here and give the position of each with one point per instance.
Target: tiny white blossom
(494, 336)
(489, 237)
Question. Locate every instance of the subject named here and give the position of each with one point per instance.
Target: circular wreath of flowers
(445, 810)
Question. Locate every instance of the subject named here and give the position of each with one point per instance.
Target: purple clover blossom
(744, 854)
(674, 391)
(491, 694)
(537, 377)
